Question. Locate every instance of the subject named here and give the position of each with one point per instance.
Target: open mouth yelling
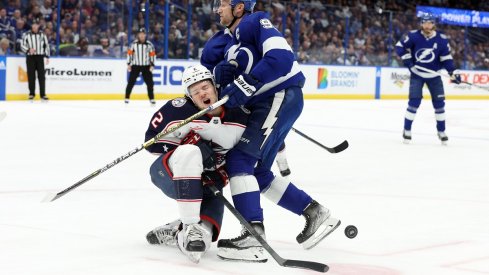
(207, 101)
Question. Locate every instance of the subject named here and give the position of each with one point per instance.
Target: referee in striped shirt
(36, 46)
(141, 59)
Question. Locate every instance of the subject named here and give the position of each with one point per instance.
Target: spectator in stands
(4, 22)
(106, 50)
(47, 10)
(4, 46)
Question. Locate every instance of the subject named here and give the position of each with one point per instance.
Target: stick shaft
(448, 76)
(342, 146)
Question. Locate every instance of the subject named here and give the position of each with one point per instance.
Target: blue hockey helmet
(248, 4)
(427, 17)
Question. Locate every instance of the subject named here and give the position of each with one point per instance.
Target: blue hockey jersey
(262, 51)
(224, 131)
(430, 52)
(214, 49)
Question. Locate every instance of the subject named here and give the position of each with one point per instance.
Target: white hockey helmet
(194, 74)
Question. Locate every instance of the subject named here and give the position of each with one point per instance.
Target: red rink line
(455, 265)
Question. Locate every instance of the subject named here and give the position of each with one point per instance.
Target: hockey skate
(443, 137)
(244, 247)
(319, 224)
(406, 135)
(194, 240)
(165, 235)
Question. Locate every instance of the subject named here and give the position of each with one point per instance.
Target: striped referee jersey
(37, 41)
(141, 54)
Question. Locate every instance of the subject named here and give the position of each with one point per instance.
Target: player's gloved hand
(224, 73)
(455, 77)
(408, 63)
(218, 177)
(208, 156)
(241, 90)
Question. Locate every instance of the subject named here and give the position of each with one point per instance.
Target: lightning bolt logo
(272, 116)
(425, 53)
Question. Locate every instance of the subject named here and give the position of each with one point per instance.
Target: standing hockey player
(269, 83)
(192, 157)
(141, 59)
(213, 59)
(429, 49)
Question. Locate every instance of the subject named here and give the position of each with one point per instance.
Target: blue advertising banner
(3, 77)
(469, 18)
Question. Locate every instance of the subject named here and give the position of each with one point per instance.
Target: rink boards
(82, 78)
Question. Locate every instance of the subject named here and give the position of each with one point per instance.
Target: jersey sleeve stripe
(446, 57)
(275, 43)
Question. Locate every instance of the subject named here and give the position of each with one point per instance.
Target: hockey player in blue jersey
(190, 157)
(212, 55)
(430, 49)
(268, 83)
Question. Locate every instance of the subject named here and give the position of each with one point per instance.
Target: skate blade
(249, 255)
(195, 256)
(444, 143)
(323, 231)
(406, 141)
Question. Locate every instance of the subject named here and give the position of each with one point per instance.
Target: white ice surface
(421, 208)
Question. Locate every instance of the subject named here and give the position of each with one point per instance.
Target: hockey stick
(52, 197)
(338, 148)
(319, 267)
(448, 76)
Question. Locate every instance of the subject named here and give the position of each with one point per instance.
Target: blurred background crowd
(345, 32)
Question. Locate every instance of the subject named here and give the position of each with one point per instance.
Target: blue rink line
(388, 131)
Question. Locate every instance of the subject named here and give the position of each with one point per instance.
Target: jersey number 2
(157, 120)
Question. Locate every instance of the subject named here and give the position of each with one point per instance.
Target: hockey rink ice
(421, 208)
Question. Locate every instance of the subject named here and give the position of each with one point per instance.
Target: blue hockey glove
(241, 90)
(408, 63)
(455, 77)
(224, 73)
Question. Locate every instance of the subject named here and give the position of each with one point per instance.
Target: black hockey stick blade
(338, 148)
(319, 267)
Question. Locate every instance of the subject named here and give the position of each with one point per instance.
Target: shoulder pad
(413, 31)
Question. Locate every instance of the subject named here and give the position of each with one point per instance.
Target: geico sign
(165, 75)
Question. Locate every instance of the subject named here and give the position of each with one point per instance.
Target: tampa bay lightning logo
(426, 55)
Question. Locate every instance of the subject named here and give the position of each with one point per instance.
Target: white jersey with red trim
(224, 131)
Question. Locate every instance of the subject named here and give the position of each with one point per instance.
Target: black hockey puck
(351, 231)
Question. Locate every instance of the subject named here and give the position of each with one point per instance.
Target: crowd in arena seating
(351, 32)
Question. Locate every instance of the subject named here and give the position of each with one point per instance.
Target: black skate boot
(319, 224)
(165, 235)
(443, 137)
(244, 247)
(194, 240)
(406, 135)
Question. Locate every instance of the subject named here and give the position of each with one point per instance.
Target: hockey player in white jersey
(191, 157)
